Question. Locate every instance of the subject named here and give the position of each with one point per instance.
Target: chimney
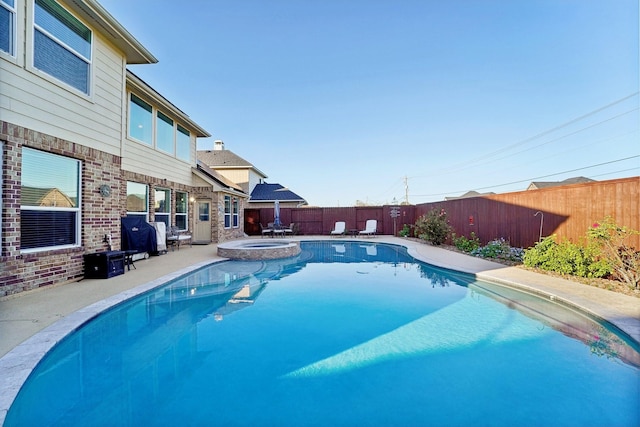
(218, 145)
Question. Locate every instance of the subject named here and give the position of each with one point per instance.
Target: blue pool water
(345, 334)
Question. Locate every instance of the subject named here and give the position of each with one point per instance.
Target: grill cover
(138, 234)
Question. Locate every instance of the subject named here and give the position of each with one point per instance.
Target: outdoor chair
(370, 228)
(176, 237)
(278, 230)
(268, 230)
(292, 229)
(338, 228)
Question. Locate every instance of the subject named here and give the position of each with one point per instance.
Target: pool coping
(18, 363)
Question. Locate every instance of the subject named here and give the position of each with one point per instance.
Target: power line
(474, 161)
(530, 179)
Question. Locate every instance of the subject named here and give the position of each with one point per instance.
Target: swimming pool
(342, 334)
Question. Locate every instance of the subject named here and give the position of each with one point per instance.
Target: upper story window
(164, 133)
(140, 120)
(8, 26)
(49, 201)
(183, 144)
(61, 45)
(153, 127)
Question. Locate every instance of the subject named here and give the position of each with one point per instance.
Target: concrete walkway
(32, 322)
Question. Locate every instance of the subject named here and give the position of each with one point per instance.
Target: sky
(383, 101)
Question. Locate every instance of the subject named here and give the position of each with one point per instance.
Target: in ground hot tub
(258, 249)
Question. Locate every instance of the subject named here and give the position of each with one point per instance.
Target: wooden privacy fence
(567, 211)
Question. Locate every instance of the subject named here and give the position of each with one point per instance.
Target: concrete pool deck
(32, 322)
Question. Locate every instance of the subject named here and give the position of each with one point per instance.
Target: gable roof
(271, 192)
(536, 185)
(225, 159)
(212, 176)
(469, 194)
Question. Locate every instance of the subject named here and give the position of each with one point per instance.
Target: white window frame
(235, 208)
(76, 209)
(50, 77)
(12, 27)
(227, 212)
(182, 152)
(143, 213)
(151, 116)
(163, 119)
(166, 213)
(184, 214)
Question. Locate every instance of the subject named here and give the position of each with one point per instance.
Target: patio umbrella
(276, 213)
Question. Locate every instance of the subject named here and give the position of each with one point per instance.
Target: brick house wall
(100, 215)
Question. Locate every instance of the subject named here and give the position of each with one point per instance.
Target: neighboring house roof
(271, 192)
(225, 159)
(469, 194)
(146, 91)
(211, 175)
(536, 185)
(92, 11)
(34, 196)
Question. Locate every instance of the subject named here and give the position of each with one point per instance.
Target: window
(7, 26)
(182, 210)
(164, 133)
(49, 201)
(183, 144)
(163, 206)
(61, 45)
(137, 200)
(140, 120)
(236, 211)
(227, 212)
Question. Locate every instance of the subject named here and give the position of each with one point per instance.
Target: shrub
(623, 260)
(433, 227)
(499, 249)
(406, 231)
(567, 258)
(464, 244)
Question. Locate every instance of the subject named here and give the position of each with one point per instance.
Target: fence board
(567, 211)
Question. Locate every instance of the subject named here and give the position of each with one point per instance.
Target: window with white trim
(163, 205)
(62, 45)
(8, 26)
(140, 120)
(236, 212)
(227, 211)
(182, 210)
(183, 144)
(49, 201)
(164, 133)
(138, 200)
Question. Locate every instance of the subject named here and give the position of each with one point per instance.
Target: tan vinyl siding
(144, 159)
(34, 102)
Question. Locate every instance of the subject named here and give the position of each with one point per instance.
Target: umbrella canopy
(276, 214)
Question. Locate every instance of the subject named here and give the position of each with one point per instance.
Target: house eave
(92, 11)
(153, 96)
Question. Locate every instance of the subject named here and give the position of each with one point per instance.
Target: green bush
(567, 258)
(611, 242)
(433, 227)
(406, 231)
(499, 249)
(464, 244)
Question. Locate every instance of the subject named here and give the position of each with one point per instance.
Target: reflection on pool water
(356, 334)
